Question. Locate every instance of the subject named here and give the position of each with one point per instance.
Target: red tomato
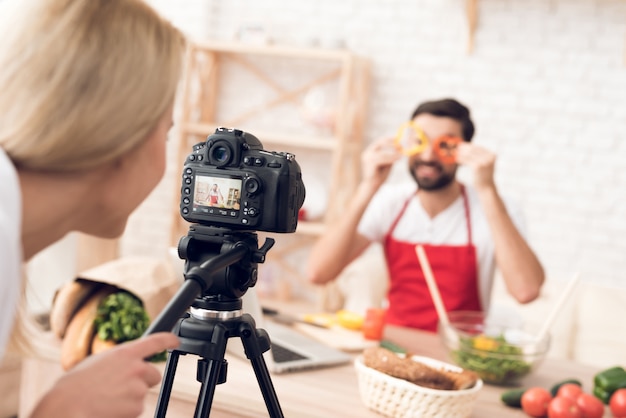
(590, 406)
(569, 390)
(617, 403)
(535, 401)
(562, 407)
(374, 324)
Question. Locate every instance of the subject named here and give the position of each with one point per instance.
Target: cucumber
(391, 346)
(555, 388)
(513, 397)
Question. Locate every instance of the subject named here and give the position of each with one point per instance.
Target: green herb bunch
(121, 317)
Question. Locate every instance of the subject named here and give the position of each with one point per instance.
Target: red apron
(454, 268)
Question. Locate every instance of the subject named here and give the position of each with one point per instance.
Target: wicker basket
(399, 398)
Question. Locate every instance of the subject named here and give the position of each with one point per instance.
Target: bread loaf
(388, 362)
(67, 300)
(76, 344)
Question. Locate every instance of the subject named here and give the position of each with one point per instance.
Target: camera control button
(259, 161)
(186, 200)
(185, 211)
(248, 160)
(187, 190)
(251, 211)
(274, 164)
(252, 185)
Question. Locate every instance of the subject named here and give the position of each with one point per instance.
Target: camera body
(229, 181)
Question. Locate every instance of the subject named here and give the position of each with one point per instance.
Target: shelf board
(313, 142)
(274, 50)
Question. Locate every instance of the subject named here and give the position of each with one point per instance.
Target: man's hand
(481, 161)
(520, 267)
(112, 384)
(377, 161)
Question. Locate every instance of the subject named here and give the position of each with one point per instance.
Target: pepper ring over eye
(411, 140)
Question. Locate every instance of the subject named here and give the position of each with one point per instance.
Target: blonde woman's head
(83, 81)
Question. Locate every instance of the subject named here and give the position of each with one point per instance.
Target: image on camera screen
(216, 192)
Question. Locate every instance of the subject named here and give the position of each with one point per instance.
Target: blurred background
(545, 81)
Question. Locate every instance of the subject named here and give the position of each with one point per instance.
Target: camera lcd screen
(216, 193)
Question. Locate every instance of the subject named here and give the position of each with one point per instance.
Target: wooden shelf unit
(211, 64)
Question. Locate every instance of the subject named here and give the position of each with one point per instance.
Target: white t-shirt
(447, 228)
(10, 247)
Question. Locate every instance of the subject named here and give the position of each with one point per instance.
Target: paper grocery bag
(151, 279)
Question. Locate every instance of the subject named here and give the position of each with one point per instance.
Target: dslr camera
(229, 181)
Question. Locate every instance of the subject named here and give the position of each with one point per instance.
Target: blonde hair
(83, 81)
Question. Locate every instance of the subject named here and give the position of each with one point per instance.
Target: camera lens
(220, 155)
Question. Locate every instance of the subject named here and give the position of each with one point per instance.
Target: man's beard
(432, 184)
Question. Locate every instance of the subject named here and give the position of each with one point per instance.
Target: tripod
(217, 315)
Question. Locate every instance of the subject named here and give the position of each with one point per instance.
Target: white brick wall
(546, 83)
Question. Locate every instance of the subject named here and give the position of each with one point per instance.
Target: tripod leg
(212, 372)
(166, 386)
(256, 342)
(267, 388)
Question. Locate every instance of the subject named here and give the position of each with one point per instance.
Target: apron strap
(467, 215)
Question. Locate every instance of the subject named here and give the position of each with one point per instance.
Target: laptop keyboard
(282, 354)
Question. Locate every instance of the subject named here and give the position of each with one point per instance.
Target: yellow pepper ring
(417, 146)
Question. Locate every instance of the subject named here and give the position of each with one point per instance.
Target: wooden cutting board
(337, 337)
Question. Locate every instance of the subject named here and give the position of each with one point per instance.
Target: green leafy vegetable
(121, 317)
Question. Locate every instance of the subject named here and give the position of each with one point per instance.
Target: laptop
(290, 350)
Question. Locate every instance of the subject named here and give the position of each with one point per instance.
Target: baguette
(99, 345)
(67, 300)
(76, 344)
(417, 373)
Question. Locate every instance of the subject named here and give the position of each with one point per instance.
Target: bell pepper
(608, 381)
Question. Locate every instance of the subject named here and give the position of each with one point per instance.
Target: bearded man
(467, 231)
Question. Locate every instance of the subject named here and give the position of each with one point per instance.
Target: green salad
(490, 358)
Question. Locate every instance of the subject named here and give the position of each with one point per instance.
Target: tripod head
(204, 243)
(220, 266)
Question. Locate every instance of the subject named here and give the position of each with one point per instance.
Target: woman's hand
(112, 384)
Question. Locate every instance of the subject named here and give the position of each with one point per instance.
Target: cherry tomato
(617, 403)
(569, 390)
(562, 407)
(535, 401)
(590, 406)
